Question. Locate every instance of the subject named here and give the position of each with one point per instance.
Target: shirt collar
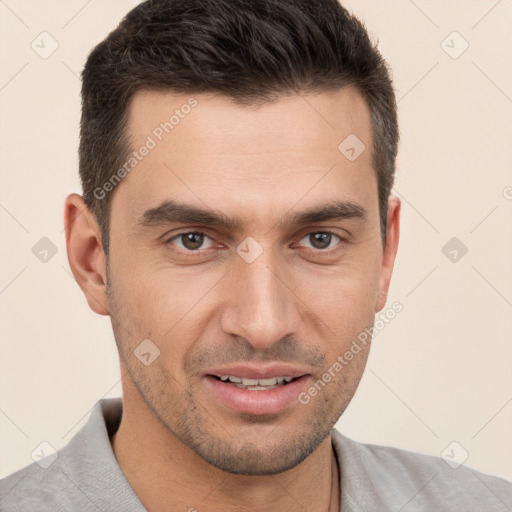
(92, 465)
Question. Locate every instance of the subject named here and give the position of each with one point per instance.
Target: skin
(295, 303)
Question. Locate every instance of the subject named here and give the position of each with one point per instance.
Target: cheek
(167, 308)
(340, 308)
(345, 296)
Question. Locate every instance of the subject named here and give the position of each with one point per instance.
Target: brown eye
(190, 241)
(321, 239)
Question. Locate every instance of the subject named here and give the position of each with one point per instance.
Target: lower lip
(256, 401)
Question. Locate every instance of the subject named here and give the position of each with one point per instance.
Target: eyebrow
(171, 211)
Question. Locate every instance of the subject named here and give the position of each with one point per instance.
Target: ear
(85, 252)
(390, 249)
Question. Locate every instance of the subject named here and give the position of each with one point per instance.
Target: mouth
(256, 384)
(256, 390)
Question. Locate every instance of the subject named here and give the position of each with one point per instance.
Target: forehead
(207, 150)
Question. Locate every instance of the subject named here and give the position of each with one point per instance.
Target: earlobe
(85, 252)
(390, 250)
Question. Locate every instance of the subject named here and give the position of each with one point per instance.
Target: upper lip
(253, 371)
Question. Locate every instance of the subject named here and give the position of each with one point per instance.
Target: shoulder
(36, 488)
(420, 482)
(83, 475)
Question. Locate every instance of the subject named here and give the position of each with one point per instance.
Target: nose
(260, 304)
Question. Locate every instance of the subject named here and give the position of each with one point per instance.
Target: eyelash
(193, 253)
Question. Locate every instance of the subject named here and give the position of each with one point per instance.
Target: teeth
(255, 388)
(260, 383)
(249, 382)
(268, 382)
(230, 378)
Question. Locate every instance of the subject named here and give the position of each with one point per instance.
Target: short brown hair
(249, 50)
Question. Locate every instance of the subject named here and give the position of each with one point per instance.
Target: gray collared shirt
(87, 477)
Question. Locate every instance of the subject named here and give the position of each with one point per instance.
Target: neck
(162, 471)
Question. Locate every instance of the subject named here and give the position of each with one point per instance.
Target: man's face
(272, 294)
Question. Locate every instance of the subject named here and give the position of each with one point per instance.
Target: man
(237, 226)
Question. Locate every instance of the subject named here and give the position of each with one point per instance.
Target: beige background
(440, 371)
